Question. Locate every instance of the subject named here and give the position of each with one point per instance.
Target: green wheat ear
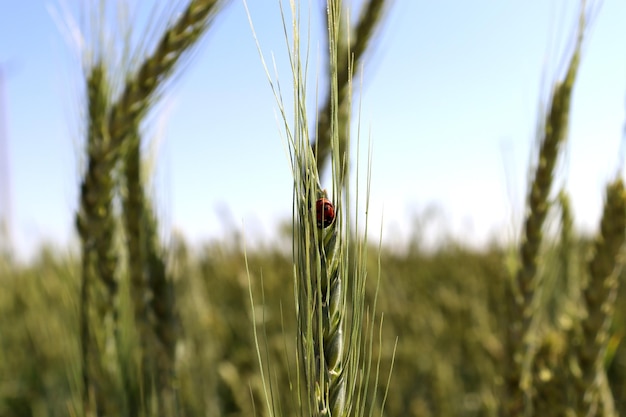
(334, 334)
(96, 223)
(599, 297)
(328, 329)
(112, 133)
(553, 136)
(320, 301)
(350, 55)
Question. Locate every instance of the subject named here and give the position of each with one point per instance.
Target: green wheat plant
(333, 356)
(119, 96)
(599, 300)
(559, 290)
(569, 375)
(557, 366)
(553, 134)
(351, 47)
(96, 224)
(150, 286)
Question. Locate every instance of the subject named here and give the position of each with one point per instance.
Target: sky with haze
(450, 97)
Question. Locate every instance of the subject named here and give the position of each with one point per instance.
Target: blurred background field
(445, 307)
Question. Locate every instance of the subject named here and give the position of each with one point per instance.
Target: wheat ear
(162, 306)
(320, 301)
(329, 298)
(147, 267)
(566, 253)
(95, 223)
(550, 376)
(133, 204)
(600, 293)
(327, 265)
(554, 135)
(178, 39)
(349, 57)
(133, 218)
(150, 287)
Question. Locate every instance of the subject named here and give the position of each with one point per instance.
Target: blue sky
(450, 99)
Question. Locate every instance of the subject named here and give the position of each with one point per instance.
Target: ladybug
(325, 212)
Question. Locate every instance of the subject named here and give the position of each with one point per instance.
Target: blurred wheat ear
(553, 136)
(155, 71)
(599, 301)
(350, 52)
(113, 138)
(96, 223)
(150, 287)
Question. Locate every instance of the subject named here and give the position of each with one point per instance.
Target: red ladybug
(325, 212)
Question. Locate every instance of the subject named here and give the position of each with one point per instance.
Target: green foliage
(445, 307)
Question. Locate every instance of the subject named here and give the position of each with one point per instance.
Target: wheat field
(132, 326)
